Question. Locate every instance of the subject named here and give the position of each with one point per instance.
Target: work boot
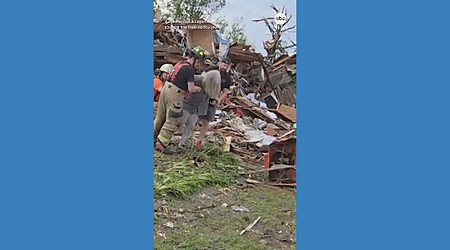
(165, 150)
(171, 150)
(181, 148)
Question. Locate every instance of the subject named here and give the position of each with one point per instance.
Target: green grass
(182, 175)
(219, 227)
(180, 180)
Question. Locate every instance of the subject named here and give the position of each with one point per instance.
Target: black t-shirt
(225, 80)
(185, 75)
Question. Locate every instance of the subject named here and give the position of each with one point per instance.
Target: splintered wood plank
(273, 168)
(227, 145)
(272, 129)
(288, 112)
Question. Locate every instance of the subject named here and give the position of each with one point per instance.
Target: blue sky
(248, 10)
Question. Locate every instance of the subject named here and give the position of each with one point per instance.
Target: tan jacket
(211, 83)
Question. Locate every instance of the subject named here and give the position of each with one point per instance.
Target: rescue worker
(170, 106)
(208, 116)
(226, 81)
(161, 76)
(210, 83)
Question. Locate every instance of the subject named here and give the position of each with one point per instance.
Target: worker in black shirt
(196, 104)
(170, 106)
(223, 66)
(226, 80)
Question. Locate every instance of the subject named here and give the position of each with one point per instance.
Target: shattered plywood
(203, 38)
(272, 129)
(242, 53)
(288, 112)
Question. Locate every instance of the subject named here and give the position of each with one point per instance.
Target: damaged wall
(202, 38)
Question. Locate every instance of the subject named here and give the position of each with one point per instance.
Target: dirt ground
(207, 217)
(208, 220)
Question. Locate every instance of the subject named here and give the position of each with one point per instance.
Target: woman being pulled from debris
(197, 103)
(208, 113)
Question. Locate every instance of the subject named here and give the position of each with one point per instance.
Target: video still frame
(225, 124)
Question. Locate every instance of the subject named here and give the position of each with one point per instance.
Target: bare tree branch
(293, 27)
(292, 41)
(274, 8)
(290, 46)
(289, 19)
(262, 19)
(268, 26)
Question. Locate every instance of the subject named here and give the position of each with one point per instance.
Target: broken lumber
(250, 226)
(288, 112)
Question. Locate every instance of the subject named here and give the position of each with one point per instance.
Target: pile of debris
(273, 84)
(261, 114)
(260, 135)
(271, 77)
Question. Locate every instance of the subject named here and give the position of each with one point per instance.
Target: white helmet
(166, 68)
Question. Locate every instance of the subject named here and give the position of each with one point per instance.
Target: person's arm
(224, 95)
(190, 72)
(225, 89)
(192, 88)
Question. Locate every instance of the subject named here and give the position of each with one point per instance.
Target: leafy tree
(190, 9)
(234, 31)
(195, 9)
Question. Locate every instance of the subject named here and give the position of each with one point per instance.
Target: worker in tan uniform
(162, 74)
(170, 106)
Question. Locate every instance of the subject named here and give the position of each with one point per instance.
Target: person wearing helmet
(190, 109)
(170, 106)
(209, 113)
(194, 103)
(161, 76)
